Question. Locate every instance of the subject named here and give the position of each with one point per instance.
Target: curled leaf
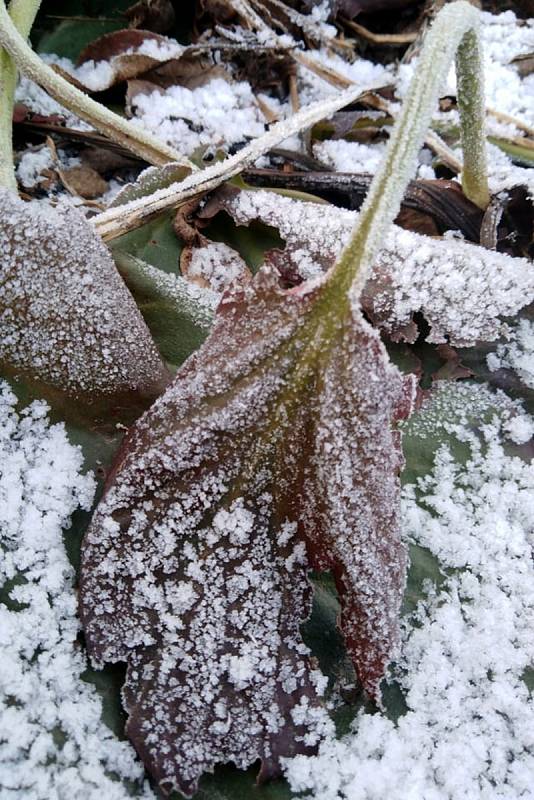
(269, 455)
(461, 289)
(122, 55)
(66, 318)
(208, 264)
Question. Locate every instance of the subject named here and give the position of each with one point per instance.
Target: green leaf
(174, 310)
(71, 36)
(155, 243)
(68, 37)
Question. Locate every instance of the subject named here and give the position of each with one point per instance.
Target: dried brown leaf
(83, 181)
(208, 264)
(123, 50)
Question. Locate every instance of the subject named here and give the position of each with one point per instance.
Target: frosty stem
(455, 31)
(23, 13)
(117, 128)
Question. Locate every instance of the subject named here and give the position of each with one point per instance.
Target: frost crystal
(461, 289)
(517, 354)
(463, 653)
(53, 743)
(66, 317)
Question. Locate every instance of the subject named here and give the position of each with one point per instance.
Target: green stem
(470, 93)
(455, 29)
(117, 128)
(23, 13)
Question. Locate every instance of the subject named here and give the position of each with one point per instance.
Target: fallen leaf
(272, 453)
(453, 369)
(524, 64)
(148, 181)
(22, 113)
(208, 264)
(66, 318)
(442, 201)
(84, 182)
(128, 53)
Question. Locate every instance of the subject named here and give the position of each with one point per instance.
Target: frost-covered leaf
(461, 289)
(440, 204)
(121, 55)
(66, 318)
(158, 61)
(467, 647)
(148, 181)
(266, 457)
(178, 313)
(204, 263)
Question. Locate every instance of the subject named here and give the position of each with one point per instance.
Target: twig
(393, 39)
(438, 146)
(116, 221)
(519, 124)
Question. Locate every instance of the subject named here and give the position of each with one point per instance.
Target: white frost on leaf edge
(517, 354)
(53, 743)
(469, 730)
(460, 288)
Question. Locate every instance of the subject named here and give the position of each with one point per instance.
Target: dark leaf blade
(352, 496)
(179, 463)
(193, 569)
(248, 691)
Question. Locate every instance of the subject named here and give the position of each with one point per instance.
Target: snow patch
(53, 743)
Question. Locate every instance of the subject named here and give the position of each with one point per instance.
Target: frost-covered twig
(116, 221)
(117, 128)
(22, 12)
(455, 29)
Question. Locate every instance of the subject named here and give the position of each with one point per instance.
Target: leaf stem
(117, 128)
(455, 29)
(23, 13)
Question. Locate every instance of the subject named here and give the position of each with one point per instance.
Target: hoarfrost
(218, 486)
(66, 317)
(219, 114)
(468, 728)
(517, 354)
(461, 289)
(53, 743)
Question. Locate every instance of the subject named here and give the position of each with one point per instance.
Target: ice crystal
(53, 743)
(461, 289)
(227, 491)
(465, 648)
(66, 317)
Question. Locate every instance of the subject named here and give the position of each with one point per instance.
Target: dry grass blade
(393, 39)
